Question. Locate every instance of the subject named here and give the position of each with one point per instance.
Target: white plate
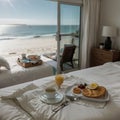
(69, 93)
(57, 99)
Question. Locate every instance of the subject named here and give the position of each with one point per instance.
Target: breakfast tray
(28, 64)
(70, 94)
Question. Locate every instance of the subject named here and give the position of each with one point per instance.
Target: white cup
(101, 46)
(23, 56)
(50, 92)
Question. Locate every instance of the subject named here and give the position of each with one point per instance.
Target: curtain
(90, 23)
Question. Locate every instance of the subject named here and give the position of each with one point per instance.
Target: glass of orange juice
(59, 80)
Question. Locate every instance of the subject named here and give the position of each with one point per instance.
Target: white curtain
(90, 23)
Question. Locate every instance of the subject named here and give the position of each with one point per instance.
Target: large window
(27, 26)
(69, 32)
(30, 26)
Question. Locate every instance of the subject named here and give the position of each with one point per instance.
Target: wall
(110, 15)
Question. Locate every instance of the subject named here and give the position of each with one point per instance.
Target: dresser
(101, 56)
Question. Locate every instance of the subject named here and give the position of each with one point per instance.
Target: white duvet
(24, 104)
(18, 74)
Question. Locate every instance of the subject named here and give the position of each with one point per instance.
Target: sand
(40, 45)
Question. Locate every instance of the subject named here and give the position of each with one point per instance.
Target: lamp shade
(109, 31)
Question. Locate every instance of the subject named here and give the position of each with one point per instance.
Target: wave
(7, 38)
(32, 31)
(36, 36)
(46, 35)
(24, 37)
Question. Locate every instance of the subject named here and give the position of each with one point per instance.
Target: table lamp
(108, 32)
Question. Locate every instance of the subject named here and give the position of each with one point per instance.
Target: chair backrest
(68, 53)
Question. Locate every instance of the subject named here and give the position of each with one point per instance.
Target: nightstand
(101, 56)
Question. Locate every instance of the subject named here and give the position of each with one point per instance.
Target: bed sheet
(107, 75)
(18, 74)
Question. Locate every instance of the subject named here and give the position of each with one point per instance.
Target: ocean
(10, 32)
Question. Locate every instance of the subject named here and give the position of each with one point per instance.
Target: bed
(22, 101)
(19, 74)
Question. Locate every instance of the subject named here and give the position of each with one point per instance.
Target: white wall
(110, 15)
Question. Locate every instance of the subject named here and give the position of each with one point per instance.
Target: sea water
(8, 32)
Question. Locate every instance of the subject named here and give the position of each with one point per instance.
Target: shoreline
(26, 37)
(38, 45)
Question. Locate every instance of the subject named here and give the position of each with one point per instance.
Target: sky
(33, 12)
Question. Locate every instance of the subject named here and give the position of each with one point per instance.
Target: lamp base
(108, 43)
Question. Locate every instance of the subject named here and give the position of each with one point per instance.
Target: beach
(37, 46)
(32, 39)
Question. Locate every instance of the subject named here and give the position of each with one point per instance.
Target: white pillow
(4, 63)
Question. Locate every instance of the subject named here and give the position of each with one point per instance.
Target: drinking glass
(59, 80)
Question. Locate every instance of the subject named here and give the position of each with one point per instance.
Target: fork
(68, 100)
(55, 110)
(61, 106)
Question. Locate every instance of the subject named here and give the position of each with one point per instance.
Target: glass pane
(70, 18)
(70, 29)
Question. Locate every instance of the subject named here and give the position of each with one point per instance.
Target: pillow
(4, 63)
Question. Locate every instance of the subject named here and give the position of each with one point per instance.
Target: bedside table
(101, 56)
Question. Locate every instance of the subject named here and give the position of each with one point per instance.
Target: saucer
(57, 99)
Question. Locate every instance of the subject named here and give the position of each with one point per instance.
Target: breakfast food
(33, 57)
(76, 90)
(50, 90)
(82, 86)
(93, 86)
(94, 93)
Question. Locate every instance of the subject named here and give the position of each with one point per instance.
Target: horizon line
(35, 24)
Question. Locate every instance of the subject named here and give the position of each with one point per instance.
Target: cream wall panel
(110, 15)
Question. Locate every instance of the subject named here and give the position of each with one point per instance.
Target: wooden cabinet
(101, 56)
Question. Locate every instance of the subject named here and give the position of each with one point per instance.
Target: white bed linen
(49, 61)
(107, 75)
(18, 74)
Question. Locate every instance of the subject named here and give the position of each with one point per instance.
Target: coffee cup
(23, 56)
(50, 92)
